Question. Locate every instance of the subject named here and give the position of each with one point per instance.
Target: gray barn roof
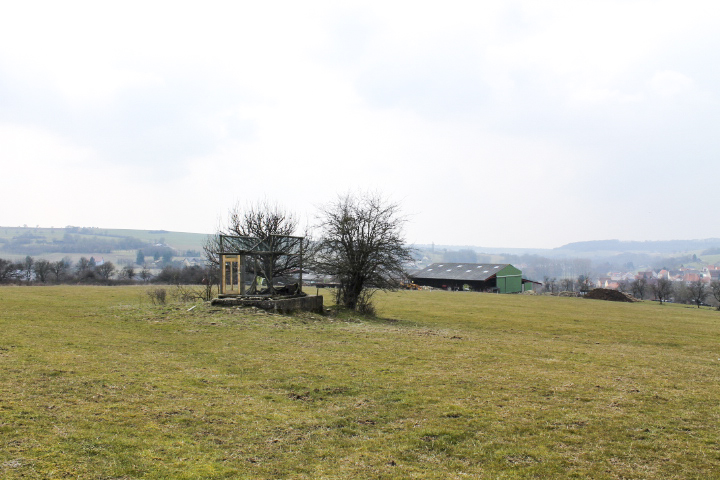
(460, 271)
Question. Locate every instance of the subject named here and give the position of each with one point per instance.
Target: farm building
(500, 278)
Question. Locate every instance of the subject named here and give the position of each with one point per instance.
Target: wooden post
(222, 272)
(241, 273)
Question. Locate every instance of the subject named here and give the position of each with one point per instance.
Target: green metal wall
(509, 280)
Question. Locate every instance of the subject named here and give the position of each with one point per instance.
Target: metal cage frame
(236, 251)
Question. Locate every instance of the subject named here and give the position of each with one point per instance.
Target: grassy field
(99, 383)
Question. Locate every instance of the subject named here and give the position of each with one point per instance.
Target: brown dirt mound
(611, 295)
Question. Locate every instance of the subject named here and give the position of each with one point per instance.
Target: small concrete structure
(290, 304)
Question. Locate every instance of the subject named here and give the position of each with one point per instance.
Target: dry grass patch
(99, 383)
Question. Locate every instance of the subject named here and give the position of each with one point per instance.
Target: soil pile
(611, 295)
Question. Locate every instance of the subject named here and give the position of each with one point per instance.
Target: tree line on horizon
(81, 240)
(660, 289)
(31, 271)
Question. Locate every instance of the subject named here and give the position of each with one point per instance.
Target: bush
(157, 296)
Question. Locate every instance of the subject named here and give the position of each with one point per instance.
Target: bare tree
(82, 266)
(27, 268)
(106, 270)
(715, 288)
(639, 287)
(662, 289)
(42, 269)
(549, 284)
(60, 268)
(128, 271)
(583, 282)
(681, 293)
(8, 270)
(363, 247)
(211, 277)
(624, 286)
(567, 284)
(145, 274)
(698, 292)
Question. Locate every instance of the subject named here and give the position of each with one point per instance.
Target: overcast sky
(498, 123)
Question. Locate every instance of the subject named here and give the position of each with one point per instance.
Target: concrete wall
(310, 303)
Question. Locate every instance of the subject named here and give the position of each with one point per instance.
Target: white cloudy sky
(494, 123)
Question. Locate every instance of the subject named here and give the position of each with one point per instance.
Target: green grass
(177, 240)
(98, 383)
(711, 259)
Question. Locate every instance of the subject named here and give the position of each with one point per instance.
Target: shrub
(157, 296)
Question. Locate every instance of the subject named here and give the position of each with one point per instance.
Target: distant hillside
(660, 246)
(122, 244)
(15, 241)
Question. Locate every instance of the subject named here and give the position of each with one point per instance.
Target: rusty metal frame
(235, 251)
